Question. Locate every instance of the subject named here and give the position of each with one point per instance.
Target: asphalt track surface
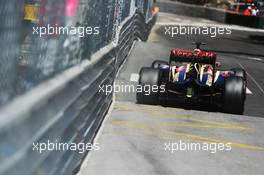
(134, 138)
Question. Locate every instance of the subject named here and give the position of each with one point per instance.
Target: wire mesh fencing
(40, 38)
(10, 17)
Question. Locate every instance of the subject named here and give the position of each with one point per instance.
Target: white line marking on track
(254, 58)
(252, 78)
(249, 92)
(134, 77)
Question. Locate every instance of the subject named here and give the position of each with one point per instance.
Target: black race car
(194, 76)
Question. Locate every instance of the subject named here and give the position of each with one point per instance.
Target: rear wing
(193, 57)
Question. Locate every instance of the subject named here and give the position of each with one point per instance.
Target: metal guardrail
(214, 14)
(248, 21)
(67, 108)
(191, 10)
(28, 59)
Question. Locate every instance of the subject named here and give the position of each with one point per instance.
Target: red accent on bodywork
(226, 74)
(210, 71)
(181, 68)
(186, 53)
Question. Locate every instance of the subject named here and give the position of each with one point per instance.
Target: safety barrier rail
(211, 14)
(67, 108)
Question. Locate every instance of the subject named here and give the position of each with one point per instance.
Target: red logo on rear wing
(189, 54)
(195, 57)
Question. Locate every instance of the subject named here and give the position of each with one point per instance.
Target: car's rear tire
(233, 96)
(241, 73)
(148, 79)
(158, 63)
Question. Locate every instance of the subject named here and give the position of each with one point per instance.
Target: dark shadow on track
(190, 105)
(258, 39)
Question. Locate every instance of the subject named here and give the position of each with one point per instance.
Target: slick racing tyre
(149, 81)
(158, 63)
(233, 97)
(241, 73)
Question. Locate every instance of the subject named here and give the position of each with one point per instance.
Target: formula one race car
(194, 76)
